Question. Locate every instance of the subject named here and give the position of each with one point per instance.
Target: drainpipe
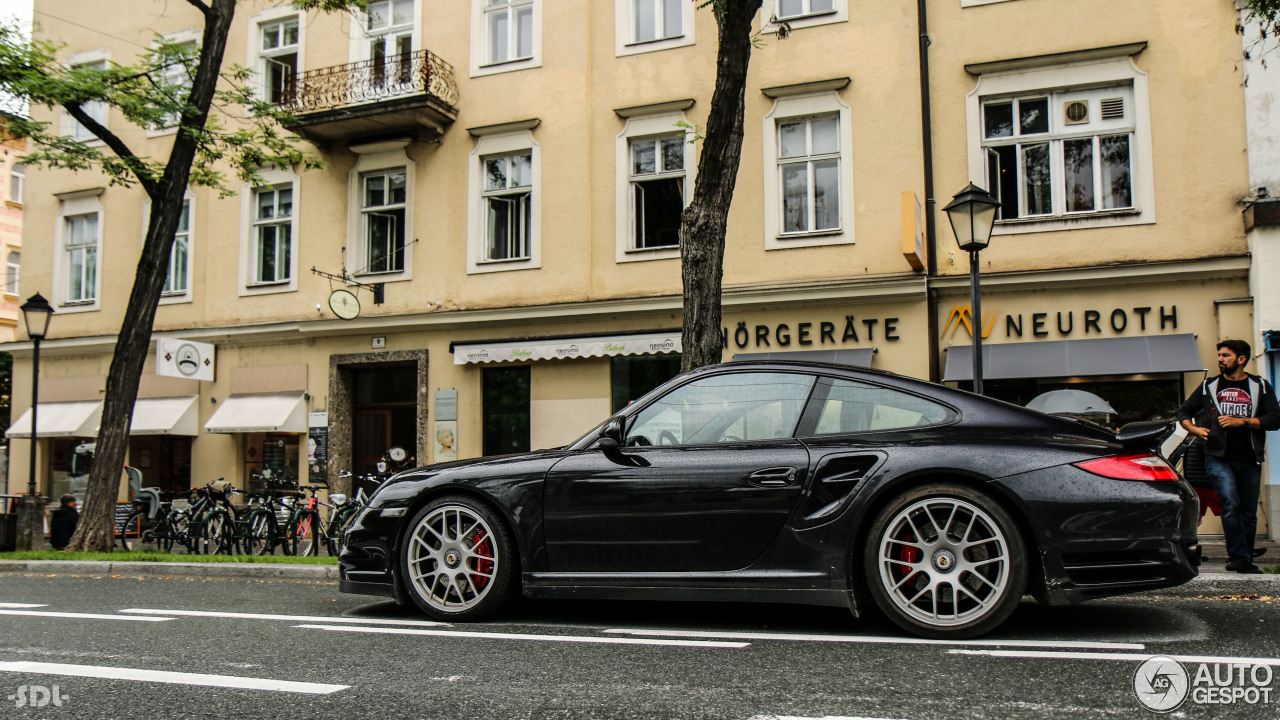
(930, 230)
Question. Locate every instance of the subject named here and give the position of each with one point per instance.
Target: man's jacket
(1202, 409)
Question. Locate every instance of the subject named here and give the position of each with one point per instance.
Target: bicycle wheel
(259, 537)
(219, 533)
(132, 536)
(338, 528)
(304, 533)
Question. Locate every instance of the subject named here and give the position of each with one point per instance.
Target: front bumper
(367, 563)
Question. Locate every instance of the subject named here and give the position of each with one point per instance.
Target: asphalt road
(319, 653)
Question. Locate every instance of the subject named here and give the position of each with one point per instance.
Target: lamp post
(36, 312)
(972, 213)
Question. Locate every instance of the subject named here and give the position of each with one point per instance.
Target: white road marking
(1125, 657)
(21, 605)
(524, 636)
(827, 717)
(872, 639)
(285, 618)
(82, 616)
(169, 678)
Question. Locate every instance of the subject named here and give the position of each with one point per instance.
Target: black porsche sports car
(798, 483)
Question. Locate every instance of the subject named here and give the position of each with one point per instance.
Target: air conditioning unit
(1076, 112)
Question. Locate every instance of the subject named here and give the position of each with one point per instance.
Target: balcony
(412, 92)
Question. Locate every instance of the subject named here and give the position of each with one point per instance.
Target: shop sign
(185, 359)
(812, 333)
(1064, 324)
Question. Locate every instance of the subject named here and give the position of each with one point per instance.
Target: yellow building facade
(509, 174)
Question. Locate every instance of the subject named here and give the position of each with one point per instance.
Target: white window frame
(13, 274)
(1119, 71)
(795, 107)
(176, 73)
(17, 181)
(375, 158)
(74, 205)
(625, 32)
(368, 212)
(257, 57)
(480, 52)
(509, 194)
(640, 127)
(771, 22)
(488, 146)
(975, 3)
(277, 179)
(184, 295)
(97, 110)
(359, 48)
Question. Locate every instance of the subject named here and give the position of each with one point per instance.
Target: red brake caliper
(908, 554)
(483, 547)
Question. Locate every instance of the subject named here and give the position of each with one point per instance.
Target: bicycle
(345, 510)
(211, 522)
(151, 524)
(306, 528)
(259, 530)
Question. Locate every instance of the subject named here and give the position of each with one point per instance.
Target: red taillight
(1139, 466)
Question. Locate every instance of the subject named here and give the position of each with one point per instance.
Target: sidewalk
(237, 571)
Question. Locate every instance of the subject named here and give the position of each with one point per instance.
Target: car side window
(724, 408)
(853, 407)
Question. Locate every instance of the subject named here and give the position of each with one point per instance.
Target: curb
(242, 571)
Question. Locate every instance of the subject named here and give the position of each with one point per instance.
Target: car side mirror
(611, 434)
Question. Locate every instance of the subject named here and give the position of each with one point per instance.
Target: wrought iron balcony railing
(387, 78)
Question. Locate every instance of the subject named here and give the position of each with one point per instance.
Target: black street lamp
(972, 213)
(36, 312)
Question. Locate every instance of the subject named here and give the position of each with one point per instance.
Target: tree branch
(200, 6)
(117, 146)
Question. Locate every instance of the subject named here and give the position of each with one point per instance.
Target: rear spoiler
(1148, 434)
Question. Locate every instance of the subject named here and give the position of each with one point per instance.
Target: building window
(383, 212)
(808, 179)
(13, 267)
(809, 174)
(657, 191)
(17, 178)
(81, 248)
(278, 58)
(508, 202)
(1062, 153)
(656, 20)
(508, 30)
(95, 109)
(506, 410)
(273, 235)
(176, 76)
(389, 33)
(789, 9)
(176, 281)
(634, 375)
(1063, 146)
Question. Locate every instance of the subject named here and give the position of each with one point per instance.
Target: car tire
(945, 561)
(457, 560)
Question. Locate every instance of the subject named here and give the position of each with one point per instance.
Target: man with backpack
(1231, 413)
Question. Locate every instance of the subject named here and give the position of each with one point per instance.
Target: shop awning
(60, 419)
(260, 412)
(165, 416)
(857, 357)
(564, 348)
(1078, 358)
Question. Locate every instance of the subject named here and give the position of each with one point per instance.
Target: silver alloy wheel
(452, 558)
(944, 562)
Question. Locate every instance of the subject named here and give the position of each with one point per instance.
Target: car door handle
(773, 477)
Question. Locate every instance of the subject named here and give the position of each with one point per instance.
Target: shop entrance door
(385, 415)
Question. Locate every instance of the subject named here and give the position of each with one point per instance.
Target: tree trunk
(96, 530)
(703, 224)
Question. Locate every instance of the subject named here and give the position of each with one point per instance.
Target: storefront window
(1134, 400)
(634, 375)
(275, 454)
(506, 410)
